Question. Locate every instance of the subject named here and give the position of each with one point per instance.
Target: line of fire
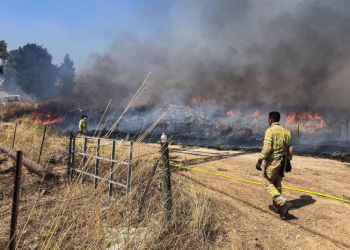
(202, 122)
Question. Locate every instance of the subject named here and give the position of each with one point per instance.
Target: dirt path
(315, 222)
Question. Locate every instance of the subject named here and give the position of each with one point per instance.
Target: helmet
(84, 116)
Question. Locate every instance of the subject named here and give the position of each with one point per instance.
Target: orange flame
(256, 114)
(46, 119)
(306, 117)
(229, 113)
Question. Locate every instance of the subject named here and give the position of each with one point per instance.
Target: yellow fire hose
(258, 183)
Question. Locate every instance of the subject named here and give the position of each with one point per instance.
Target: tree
(33, 70)
(3, 54)
(66, 74)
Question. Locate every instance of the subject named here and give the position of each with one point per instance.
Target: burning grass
(71, 214)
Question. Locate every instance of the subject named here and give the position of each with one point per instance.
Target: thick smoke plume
(259, 52)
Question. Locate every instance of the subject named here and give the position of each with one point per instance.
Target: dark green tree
(32, 67)
(3, 54)
(66, 75)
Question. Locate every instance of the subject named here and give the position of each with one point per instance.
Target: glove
(288, 167)
(258, 165)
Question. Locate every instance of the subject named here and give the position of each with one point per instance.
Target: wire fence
(247, 132)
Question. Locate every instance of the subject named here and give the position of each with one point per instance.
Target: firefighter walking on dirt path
(83, 125)
(277, 153)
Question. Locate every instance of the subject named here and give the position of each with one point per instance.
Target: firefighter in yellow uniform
(83, 125)
(277, 153)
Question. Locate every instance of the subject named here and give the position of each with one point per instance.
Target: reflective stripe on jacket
(277, 142)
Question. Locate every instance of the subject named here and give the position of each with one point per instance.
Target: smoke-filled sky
(78, 27)
(255, 51)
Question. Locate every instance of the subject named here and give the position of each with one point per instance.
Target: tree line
(30, 67)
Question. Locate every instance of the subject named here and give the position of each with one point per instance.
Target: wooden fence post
(166, 178)
(14, 136)
(42, 145)
(298, 131)
(15, 200)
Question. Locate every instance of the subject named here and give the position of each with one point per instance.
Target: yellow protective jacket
(83, 126)
(277, 142)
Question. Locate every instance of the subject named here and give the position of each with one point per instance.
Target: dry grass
(12, 111)
(73, 215)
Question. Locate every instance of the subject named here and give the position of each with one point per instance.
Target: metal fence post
(15, 201)
(70, 151)
(84, 156)
(97, 161)
(110, 186)
(42, 145)
(128, 180)
(166, 179)
(71, 167)
(14, 136)
(84, 150)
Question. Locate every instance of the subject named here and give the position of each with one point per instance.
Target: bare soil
(246, 221)
(315, 222)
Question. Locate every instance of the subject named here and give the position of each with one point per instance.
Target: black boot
(275, 208)
(285, 208)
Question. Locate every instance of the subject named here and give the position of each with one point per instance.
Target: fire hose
(259, 183)
(31, 165)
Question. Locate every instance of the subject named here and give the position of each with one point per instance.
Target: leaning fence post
(42, 144)
(14, 136)
(111, 169)
(128, 180)
(166, 175)
(15, 200)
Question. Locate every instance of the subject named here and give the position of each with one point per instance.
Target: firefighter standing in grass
(277, 153)
(83, 125)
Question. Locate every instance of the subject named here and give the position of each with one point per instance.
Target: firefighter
(83, 125)
(277, 153)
